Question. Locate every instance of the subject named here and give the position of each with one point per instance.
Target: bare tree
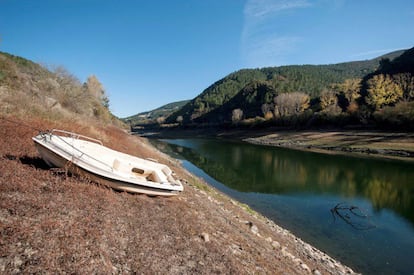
(96, 89)
(237, 115)
(160, 120)
(180, 119)
(288, 104)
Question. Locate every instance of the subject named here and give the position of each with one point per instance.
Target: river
(358, 210)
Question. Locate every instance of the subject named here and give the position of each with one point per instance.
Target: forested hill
(157, 115)
(253, 91)
(403, 63)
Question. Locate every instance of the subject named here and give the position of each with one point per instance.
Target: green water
(373, 233)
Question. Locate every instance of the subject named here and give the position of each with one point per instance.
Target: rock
(276, 244)
(287, 254)
(317, 272)
(269, 239)
(2, 264)
(205, 236)
(191, 264)
(17, 261)
(305, 267)
(297, 261)
(236, 249)
(253, 228)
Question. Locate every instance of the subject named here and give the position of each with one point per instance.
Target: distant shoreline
(397, 146)
(364, 143)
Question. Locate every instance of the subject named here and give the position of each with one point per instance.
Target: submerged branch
(353, 216)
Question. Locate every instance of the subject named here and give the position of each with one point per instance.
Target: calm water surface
(372, 230)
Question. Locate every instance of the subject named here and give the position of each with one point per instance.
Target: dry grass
(52, 223)
(28, 89)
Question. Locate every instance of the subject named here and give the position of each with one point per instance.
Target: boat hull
(56, 159)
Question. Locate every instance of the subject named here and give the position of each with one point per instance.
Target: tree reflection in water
(297, 190)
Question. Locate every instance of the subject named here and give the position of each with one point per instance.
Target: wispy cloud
(270, 51)
(373, 53)
(263, 43)
(260, 8)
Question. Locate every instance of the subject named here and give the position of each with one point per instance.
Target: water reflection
(299, 189)
(260, 169)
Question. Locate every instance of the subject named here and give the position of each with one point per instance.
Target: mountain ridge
(151, 116)
(310, 79)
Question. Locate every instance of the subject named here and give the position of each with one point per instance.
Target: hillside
(157, 115)
(55, 222)
(309, 79)
(400, 64)
(301, 95)
(28, 88)
(388, 92)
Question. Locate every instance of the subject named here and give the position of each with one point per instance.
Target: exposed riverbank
(364, 143)
(59, 223)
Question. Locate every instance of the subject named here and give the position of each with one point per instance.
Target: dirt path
(53, 223)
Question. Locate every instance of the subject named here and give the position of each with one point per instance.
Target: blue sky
(149, 53)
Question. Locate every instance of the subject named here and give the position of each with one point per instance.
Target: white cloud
(270, 51)
(373, 53)
(260, 8)
(263, 43)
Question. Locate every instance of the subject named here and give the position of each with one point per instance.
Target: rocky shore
(368, 144)
(57, 223)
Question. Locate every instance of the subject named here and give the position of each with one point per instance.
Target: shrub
(398, 116)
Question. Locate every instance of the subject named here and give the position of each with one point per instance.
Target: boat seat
(131, 169)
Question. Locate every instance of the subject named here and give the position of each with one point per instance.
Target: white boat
(89, 157)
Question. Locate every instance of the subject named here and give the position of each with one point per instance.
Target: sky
(150, 53)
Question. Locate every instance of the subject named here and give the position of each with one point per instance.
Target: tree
(329, 102)
(350, 88)
(406, 82)
(237, 115)
(328, 98)
(96, 89)
(384, 64)
(267, 110)
(287, 104)
(160, 120)
(70, 95)
(180, 119)
(382, 90)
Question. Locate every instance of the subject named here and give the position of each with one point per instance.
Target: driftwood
(353, 216)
